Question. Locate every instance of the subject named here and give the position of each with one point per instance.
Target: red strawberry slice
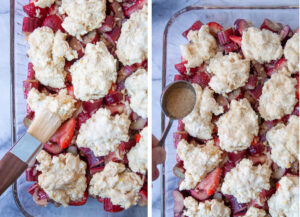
(64, 134)
(230, 47)
(53, 148)
(31, 10)
(113, 98)
(178, 202)
(196, 26)
(92, 37)
(223, 36)
(31, 72)
(179, 135)
(54, 22)
(214, 28)
(116, 109)
(236, 39)
(32, 174)
(80, 202)
(134, 7)
(201, 78)
(109, 207)
(270, 25)
(211, 182)
(240, 25)
(92, 106)
(114, 35)
(108, 24)
(143, 198)
(81, 119)
(180, 67)
(30, 24)
(28, 85)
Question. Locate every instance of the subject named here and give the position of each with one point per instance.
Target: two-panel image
(140, 108)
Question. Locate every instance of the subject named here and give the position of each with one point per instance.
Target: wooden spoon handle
(11, 167)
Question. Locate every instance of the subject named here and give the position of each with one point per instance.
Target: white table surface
(162, 11)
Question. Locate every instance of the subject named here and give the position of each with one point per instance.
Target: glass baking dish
(172, 39)
(22, 198)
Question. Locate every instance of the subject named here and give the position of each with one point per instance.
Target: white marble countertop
(162, 11)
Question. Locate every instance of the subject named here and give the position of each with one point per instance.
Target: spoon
(177, 101)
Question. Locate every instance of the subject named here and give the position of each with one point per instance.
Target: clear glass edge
(164, 65)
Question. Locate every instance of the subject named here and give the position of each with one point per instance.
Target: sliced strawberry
(178, 202)
(54, 22)
(116, 109)
(53, 148)
(30, 24)
(64, 134)
(80, 202)
(92, 160)
(32, 174)
(113, 35)
(108, 24)
(109, 207)
(28, 85)
(134, 7)
(214, 28)
(180, 67)
(180, 78)
(92, 37)
(113, 98)
(33, 11)
(143, 198)
(236, 39)
(179, 135)
(230, 47)
(270, 25)
(223, 36)
(211, 182)
(138, 138)
(199, 195)
(201, 78)
(92, 106)
(196, 26)
(81, 119)
(240, 25)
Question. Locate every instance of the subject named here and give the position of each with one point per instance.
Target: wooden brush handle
(11, 167)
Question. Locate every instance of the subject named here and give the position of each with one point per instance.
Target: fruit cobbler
(88, 65)
(238, 150)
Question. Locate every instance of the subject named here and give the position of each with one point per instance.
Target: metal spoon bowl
(166, 94)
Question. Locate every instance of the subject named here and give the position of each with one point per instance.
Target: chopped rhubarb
(211, 182)
(240, 25)
(32, 174)
(227, 167)
(251, 83)
(223, 101)
(30, 72)
(134, 116)
(100, 200)
(236, 39)
(75, 44)
(215, 28)
(116, 109)
(256, 148)
(235, 95)
(237, 208)
(64, 135)
(32, 11)
(143, 198)
(223, 36)
(180, 78)
(92, 37)
(201, 78)
(270, 25)
(126, 146)
(179, 171)
(137, 5)
(108, 24)
(199, 195)
(180, 126)
(30, 24)
(139, 124)
(236, 157)
(286, 33)
(92, 160)
(113, 98)
(81, 119)
(258, 159)
(92, 106)
(178, 202)
(180, 67)
(179, 135)
(28, 85)
(70, 91)
(113, 35)
(118, 12)
(53, 148)
(196, 26)
(54, 22)
(33, 188)
(80, 202)
(279, 64)
(256, 92)
(230, 47)
(109, 207)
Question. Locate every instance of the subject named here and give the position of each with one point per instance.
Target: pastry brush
(16, 160)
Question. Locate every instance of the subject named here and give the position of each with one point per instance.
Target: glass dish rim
(164, 63)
